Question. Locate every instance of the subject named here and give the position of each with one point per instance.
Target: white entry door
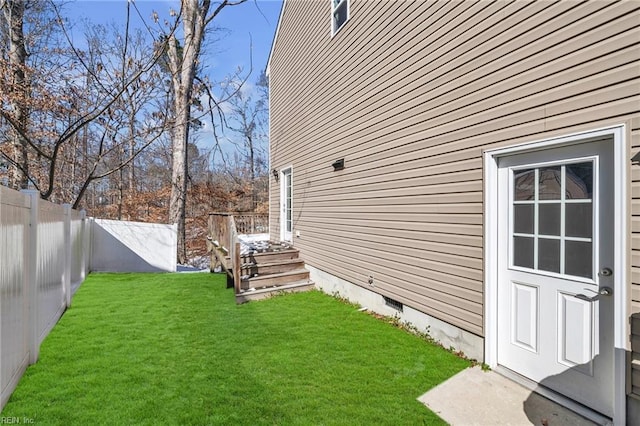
(286, 200)
(555, 283)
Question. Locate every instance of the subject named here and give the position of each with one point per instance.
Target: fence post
(91, 224)
(66, 272)
(31, 275)
(174, 244)
(85, 248)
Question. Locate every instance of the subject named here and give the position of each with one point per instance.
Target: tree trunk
(177, 204)
(252, 175)
(182, 65)
(131, 170)
(14, 16)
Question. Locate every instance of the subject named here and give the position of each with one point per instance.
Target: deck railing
(223, 239)
(234, 253)
(251, 223)
(219, 230)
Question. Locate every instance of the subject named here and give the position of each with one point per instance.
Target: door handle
(604, 291)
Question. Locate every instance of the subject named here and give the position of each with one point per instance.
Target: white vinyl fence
(46, 251)
(44, 256)
(122, 246)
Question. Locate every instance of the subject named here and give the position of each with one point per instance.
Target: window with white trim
(339, 14)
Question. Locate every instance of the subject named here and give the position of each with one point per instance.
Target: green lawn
(176, 349)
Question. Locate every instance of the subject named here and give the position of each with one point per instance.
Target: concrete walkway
(476, 397)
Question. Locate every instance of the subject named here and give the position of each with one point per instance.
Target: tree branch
(218, 9)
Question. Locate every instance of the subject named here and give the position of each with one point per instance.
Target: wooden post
(236, 268)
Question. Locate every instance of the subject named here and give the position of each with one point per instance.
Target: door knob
(604, 291)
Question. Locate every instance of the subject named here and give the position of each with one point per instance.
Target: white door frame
(283, 219)
(621, 332)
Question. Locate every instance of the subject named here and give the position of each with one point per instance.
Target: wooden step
(269, 280)
(272, 268)
(270, 257)
(259, 294)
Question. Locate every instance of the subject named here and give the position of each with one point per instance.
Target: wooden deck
(256, 272)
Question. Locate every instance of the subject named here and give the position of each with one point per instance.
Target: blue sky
(253, 22)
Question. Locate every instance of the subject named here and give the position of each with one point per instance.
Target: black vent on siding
(398, 306)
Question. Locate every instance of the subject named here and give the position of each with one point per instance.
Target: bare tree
(247, 119)
(136, 119)
(54, 118)
(183, 58)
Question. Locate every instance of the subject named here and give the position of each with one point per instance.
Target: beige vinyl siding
(410, 94)
(635, 260)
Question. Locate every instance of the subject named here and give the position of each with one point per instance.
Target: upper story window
(339, 14)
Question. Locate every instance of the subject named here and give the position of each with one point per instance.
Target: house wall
(410, 94)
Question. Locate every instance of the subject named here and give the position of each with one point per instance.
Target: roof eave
(275, 37)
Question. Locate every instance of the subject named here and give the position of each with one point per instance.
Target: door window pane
(523, 218)
(549, 255)
(549, 219)
(523, 252)
(549, 183)
(552, 208)
(578, 220)
(578, 259)
(579, 179)
(524, 185)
